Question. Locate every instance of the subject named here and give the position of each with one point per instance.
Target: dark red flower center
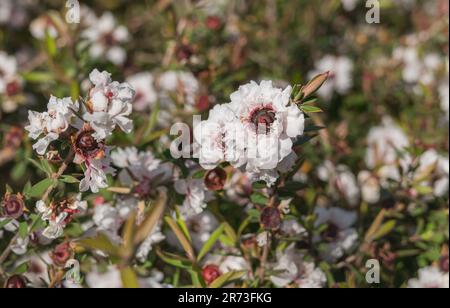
(13, 206)
(263, 119)
(270, 218)
(12, 88)
(16, 282)
(331, 233)
(215, 179)
(86, 142)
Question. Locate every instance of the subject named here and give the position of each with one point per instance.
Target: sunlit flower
(10, 82)
(146, 94)
(109, 105)
(196, 195)
(47, 126)
(106, 38)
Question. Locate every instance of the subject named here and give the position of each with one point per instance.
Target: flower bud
(12, 206)
(16, 282)
(443, 263)
(61, 254)
(210, 273)
(215, 179)
(270, 218)
(213, 23)
(315, 84)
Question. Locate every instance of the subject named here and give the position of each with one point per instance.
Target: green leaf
(39, 189)
(50, 44)
(151, 220)
(101, 242)
(21, 269)
(210, 242)
(185, 243)
(310, 109)
(174, 260)
(19, 171)
(69, 179)
(258, 198)
(38, 77)
(385, 229)
(129, 278)
(227, 278)
(23, 230)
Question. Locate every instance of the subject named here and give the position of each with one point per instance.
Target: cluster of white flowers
(45, 127)
(108, 105)
(292, 269)
(388, 161)
(430, 278)
(105, 37)
(255, 131)
(14, 12)
(10, 82)
(58, 218)
(341, 78)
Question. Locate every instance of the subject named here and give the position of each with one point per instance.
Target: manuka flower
(109, 105)
(47, 126)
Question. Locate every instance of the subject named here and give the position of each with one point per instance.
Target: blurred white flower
(42, 27)
(20, 245)
(181, 84)
(430, 278)
(146, 94)
(196, 196)
(144, 249)
(106, 37)
(341, 75)
(370, 187)
(385, 144)
(342, 182)
(292, 269)
(338, 236)
(11, 83)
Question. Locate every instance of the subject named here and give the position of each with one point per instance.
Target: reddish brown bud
(12, 88)
(16, 282)
(270, 218)
(210, 273)
(61, 254)
(184, 52)
(215, 179)
(12, 206)
(213, 23)
(13, 138)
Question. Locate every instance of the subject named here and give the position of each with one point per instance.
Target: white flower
(95, 176)
(146, 95)
(144, 249)
(105, 37)
(109, 105)
(200, 228)
(385, 142)
(339, 236)
(55, 228)
(109, 279)
(262, 239)
(349, 5)
(228, 264)
(342, 182)
(43, 26)
(141, 165)
(293, 228)
(222, 138)
(256, 129)
(20, 245)
(433, 171)
(178, 82)
(293, 270)
(341, 77)
(370, 187)
(11, 83)
(430, 278)
(196, 196)
(56, 120)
